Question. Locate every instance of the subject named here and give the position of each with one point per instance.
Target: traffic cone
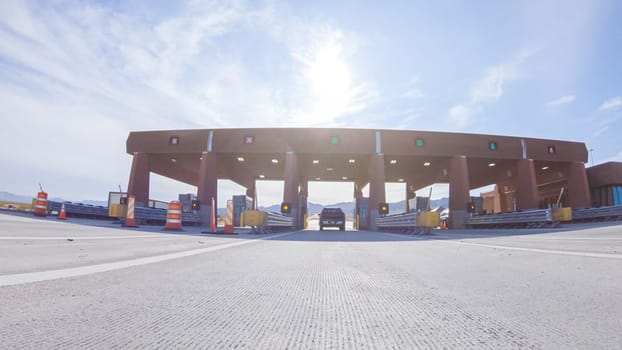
(62, 215)
(443, 225)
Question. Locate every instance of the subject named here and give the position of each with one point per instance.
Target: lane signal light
(383, 208)
(471, 207)
(551, 149)
(196, 204)
(286, 208)
(419, 142)
(492, 145)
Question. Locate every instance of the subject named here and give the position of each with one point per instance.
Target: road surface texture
(65, 285)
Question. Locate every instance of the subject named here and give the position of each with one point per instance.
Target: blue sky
(77, 76)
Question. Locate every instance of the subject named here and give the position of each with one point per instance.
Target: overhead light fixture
(492, 164)
(329, 169)
(352, 161)
(317, 179)
(545, 167)
(400, 180)
(173, 160)
(393, 161)
(344, 177)
(240, 159)
(315, 161)
(426, 164)
(262, 176)
(201, 158)
(275, 161)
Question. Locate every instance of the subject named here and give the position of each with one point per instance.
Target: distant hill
(348, 207)
(10, 197)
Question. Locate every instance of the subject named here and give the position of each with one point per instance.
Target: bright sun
(330, 81)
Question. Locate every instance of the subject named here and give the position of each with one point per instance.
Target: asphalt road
(66, 285)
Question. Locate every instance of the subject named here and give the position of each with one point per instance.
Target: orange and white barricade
(229, 218)
(41, 204)
(173, 216)
(130, 217)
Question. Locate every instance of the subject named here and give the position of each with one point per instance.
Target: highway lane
(331, 289)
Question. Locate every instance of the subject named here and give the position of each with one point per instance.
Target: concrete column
(459, 195)
(252, 192)
(208, 186)
(578, 188)
(526, 189)
(376, 187)
(139, 179)
(410, 194)
(291, 184)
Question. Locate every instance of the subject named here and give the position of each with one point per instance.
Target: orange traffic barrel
(173, 216)
(41, 204)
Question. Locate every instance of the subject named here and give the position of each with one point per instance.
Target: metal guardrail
(416, 222)
(602, 213)
(143, 215)
(278, 220)
(528, 218)
(266, 222)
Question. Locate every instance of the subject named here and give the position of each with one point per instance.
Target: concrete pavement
(314, 290)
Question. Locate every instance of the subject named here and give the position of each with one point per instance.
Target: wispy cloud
(561, 101)
(413, 89)
(488, 89)
(612, 103)
(460, 116)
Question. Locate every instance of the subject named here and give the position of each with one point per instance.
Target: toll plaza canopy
(528, 172)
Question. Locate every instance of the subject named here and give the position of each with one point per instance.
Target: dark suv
(332, 217)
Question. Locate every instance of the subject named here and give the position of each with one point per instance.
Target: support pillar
(376, 188)
(410, 194)
(504, 205)
(139, 179)
(291, 185)
(361, 208)
(252, 192)
(208, 186)
(578, 188)
(459, 195)
(526, 189)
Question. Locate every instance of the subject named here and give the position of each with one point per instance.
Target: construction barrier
(173, 216)
(41, 204)
(62, 215)
(130, 219)
(229, 218)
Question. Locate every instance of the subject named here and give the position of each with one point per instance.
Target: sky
(77, 76)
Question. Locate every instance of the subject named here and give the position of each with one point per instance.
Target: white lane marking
(29, 277)
(537, 250)
(581, 238)
(76, 237)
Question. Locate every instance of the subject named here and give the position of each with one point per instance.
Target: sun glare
(329, 76)
(329, 81)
